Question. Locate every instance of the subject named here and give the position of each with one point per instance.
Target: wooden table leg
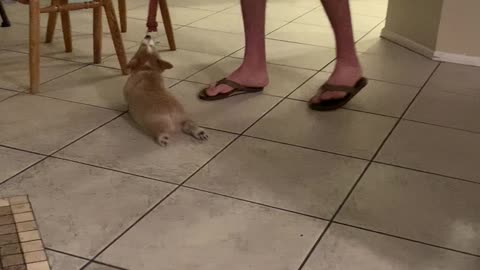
(122, 9)
(97, 35)
(3, 14)
(116, 35)
(167, 21)
(34, 47)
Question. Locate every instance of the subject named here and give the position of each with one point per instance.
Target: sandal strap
(340, 88)
(230, 83)
(362, 82)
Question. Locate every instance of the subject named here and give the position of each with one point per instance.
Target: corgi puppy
(151, 106)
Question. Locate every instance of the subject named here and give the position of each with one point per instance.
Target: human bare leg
(347, 69)
(253, 71)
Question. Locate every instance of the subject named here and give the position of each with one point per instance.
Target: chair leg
(168, 24)
(122, 9)
(97, 35)
(3, 14)
(66, 28)
(116, 35)
(52, 22)
(34, 53)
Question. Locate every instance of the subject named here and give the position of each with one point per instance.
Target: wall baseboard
(430, 53)
(408, 43)
(457, 58)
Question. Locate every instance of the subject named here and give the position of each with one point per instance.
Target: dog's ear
(164, 64)
(133, 63)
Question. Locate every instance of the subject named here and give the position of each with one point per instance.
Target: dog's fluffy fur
(150, 104)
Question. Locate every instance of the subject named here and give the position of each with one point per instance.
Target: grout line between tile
(242, 134)
(157, 204)
(427, 172)
(66, 253)
(305, 147)
(114, 170)
(256, 203)
(9, 97)
(81, 103)
(363, 172)
(407, 239)
(441, 126)
(61, 148)
(82, 258)
(23, 150)
(188, 178)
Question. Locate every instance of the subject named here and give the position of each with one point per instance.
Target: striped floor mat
(21, 247)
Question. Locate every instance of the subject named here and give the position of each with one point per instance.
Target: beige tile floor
(389, 182)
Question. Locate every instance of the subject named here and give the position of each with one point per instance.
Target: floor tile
(82, 48)
(134, 4)
(18, 34)
(208, 41)
(136, 30)
(348, 248)
(308, 34)
(434, 149)
(82, 219)
(232, 23)
(423, 207)
(195, 230)
(345, 132)
(179, 15)
(377, 97)
(457, 79)
(282, 176)
(233, 114)
(296, 55)
(370, 8)
(185, 63)
(283, 79)
(402, 66)
(131, 151)
(82, 20)
(301, 3)
(59, 261)
(373, 43)
(360, 23)
(98, 266)
(92, 85)
(451, 98)
(205, 5)
(44, 125)
(13, 161)
(4, 94)
(276, 10)
(14, 73)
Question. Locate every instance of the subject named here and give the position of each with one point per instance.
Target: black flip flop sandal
(238, 89)
(333, 104)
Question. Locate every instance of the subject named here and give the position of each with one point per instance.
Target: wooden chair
(3, 14)
(64, 7)
(122, 10)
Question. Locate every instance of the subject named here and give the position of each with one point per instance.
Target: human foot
(343, 75)
(254, 78)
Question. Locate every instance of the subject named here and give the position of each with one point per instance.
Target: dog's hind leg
(191, 128)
